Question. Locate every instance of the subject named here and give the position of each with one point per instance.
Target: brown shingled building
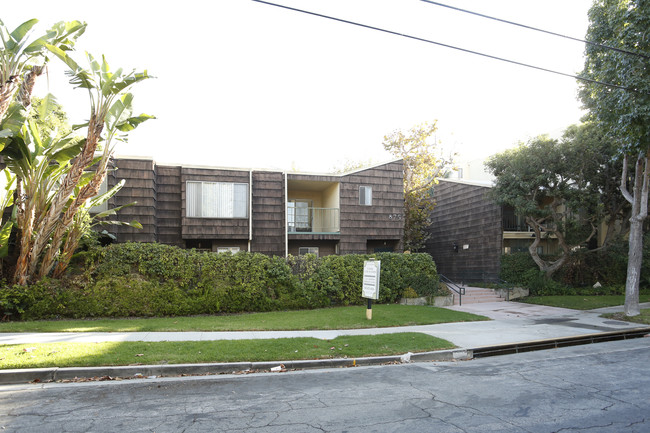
(265, 211)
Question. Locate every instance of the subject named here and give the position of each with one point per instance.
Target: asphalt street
(595, 388)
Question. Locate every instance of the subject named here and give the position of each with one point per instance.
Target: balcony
(303, 219)
(512, 223)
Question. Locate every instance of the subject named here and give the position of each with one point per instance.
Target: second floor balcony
(305, 219)
(514, 223)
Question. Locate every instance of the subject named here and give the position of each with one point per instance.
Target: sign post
(370, 290)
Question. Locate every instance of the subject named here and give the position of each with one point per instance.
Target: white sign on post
(371, 274)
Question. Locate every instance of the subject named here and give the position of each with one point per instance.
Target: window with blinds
(365, 195)
(216, 200)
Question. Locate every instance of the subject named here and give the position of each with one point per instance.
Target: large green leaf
(133, 122)
(19, 34)
(119, 111)
(133, 223)
(80, 77)
(17, 150)
(66, 33)
(15, 118)
(66, 149)
(130, 80)
(5, 233)
(102, 198)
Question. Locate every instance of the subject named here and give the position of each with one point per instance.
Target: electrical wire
(620, 50)
(489, 56)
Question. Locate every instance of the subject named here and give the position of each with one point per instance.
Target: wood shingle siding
(160, 192)
(169, 205)
(465, 216)
(360, 223)
(269, 224)
(140, 187)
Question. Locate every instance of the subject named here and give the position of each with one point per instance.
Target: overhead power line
(620, 50)
(489, 56)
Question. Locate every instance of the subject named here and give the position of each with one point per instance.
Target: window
(365, 195)
(308, 250)
(102, 190)
(232, 250)
(299, 215)
(216, 200)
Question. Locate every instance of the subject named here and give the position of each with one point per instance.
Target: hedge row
(607, 267)
(138, 279)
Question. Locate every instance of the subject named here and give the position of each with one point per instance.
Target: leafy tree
(423, 165)
(57, 176)
(557, 186)
(619, 54)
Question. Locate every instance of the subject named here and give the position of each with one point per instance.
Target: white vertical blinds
(365, 195)
(217, 199)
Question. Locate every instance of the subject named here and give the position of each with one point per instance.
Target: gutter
(250, 209)
(286, 223)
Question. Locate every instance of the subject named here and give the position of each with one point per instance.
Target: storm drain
(529, 346)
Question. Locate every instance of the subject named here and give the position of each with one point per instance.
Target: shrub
(409, 293)
(516, 267)
(138, 279)
(14, 299)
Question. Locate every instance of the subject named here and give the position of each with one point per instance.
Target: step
(474, 295)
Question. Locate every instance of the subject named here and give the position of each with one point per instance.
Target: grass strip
(353, 317)
(643, 318)
(166, 352)
(578, 302)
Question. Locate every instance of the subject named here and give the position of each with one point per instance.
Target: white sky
(244, 84)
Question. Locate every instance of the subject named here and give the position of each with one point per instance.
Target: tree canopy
(423, 165)
(619, 55)
(565, 189)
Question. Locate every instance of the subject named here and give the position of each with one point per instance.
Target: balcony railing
(515, 224)
(313, 220)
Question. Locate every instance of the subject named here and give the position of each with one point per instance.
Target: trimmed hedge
(580, 273)
(148, 279)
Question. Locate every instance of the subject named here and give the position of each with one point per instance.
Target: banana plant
(110, 117)
(40, 160)
(6, 201)
(23, 59)
(84, 222)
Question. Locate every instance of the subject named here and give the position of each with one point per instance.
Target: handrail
(455, 287)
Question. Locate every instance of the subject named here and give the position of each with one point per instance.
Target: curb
(54, 374)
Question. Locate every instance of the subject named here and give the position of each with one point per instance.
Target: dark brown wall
(160, 192)
(268, 213)
(381, 221)
(169, 203)
(140, 187)
(465, 216)
(325, 247)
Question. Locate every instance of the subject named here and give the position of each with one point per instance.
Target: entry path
(513, 322)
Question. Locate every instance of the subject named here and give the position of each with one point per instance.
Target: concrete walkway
(513, 322)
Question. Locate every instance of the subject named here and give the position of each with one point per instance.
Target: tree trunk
(639, 200)
(547, 268)
(7, 90)
(634, 260)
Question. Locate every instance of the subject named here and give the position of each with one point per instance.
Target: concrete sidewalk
(513, 323)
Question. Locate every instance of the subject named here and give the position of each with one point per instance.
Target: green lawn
(577, 302)
(643, 318)
(326, 318)
(128, 353)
